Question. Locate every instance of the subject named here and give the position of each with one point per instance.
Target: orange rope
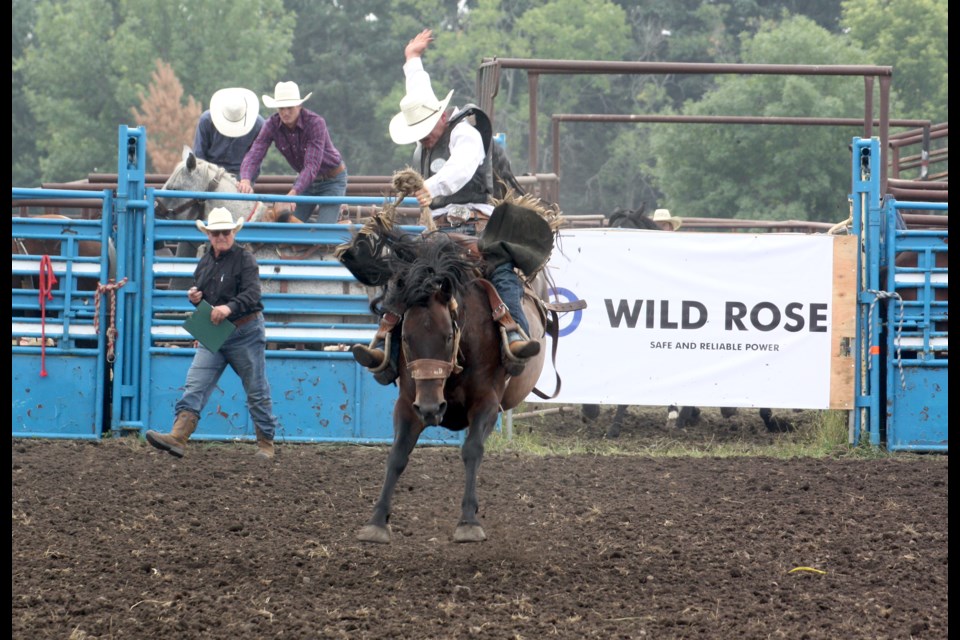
(111, 289)
(47, 282)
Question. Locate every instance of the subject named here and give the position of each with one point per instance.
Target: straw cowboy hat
(419, 112)
(220, 219)
(663, 215)
(234, 111)
(286, 94)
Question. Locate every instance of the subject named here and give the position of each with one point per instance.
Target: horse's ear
(446, 291)
(189, 158)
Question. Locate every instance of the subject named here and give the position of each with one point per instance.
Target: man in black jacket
(228, 278)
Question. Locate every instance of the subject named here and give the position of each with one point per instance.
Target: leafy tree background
(80, 67)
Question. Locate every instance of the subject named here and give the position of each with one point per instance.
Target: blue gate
(59, 370)
(314, 311)
(903, 309)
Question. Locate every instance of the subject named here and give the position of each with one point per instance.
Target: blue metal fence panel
(902, 342)
(916, 334)
(58, 366)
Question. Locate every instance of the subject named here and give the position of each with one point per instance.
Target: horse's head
(192, 174)
(430, 339)
(430, 275)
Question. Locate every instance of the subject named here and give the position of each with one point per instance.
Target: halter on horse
(451, 371)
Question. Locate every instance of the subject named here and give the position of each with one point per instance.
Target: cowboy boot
(175, 442)
(383, 367)
(521, 348)
(367, 356)
(264, 447)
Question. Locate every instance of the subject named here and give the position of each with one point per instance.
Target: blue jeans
(245, 352)
(508, 285)
(328, 213)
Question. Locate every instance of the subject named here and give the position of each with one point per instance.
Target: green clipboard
(210, 335)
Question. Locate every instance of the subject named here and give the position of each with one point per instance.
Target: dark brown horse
(451, 372)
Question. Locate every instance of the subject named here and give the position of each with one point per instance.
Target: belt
(333, 173)
(443, 222)
(239, 322)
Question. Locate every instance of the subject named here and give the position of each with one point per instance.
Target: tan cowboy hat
(234, 111)
(663, 215)
(286, 94)
(220, 219)
(419, 112)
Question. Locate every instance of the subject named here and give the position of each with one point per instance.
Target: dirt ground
(113, 539)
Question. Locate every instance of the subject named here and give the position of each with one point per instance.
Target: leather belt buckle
(458, 216)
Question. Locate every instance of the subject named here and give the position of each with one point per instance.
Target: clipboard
(210, 335)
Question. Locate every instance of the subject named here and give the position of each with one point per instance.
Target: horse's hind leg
(469, 529)
(613, 431)
(376, 528)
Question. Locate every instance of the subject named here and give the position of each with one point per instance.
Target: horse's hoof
(613, 433)
(373, 533)
(672, 416)
(590, 411)
(469, 533)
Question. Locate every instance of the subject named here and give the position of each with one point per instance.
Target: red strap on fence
(47, 282)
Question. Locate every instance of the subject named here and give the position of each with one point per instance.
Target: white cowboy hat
(419, 112)
(219, 219)
(663, 215)
(286, 94)
(234, 111)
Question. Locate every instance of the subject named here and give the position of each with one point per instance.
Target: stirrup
(386, 354)
(512, 363)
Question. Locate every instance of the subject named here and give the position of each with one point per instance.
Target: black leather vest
(480, 186)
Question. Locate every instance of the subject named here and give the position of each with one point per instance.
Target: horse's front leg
(481, 423)
(406, 433)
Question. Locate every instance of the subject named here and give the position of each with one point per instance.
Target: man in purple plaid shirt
(304, 140)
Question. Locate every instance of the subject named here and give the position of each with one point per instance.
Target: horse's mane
(423, 265)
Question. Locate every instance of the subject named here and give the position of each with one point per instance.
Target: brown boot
(367, 357)
(524, 348)
(384, 370)
(175, 442)
(264, 447)
(520, 347)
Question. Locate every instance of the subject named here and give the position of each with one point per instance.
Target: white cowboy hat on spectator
(220, 219)
(419, 112)
(286, 94)
(234, 111)
(663, 215)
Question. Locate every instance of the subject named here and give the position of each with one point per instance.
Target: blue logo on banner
(568, 321)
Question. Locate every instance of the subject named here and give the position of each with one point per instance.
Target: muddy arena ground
(113, 539)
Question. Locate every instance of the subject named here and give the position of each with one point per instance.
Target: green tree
(25, 164)
(769, 172)
(350, 55)
(912, 38)
(110, 48)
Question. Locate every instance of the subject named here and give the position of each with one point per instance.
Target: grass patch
(818, 434)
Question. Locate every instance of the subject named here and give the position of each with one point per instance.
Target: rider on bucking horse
(454, 157)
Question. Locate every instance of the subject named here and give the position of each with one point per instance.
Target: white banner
(707, 319)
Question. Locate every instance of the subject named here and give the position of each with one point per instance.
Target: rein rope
(111, 290)
(47, 281)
